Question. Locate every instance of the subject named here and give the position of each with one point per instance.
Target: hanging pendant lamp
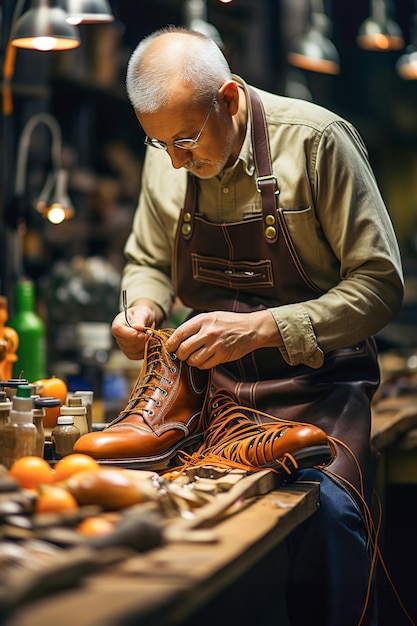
(379, 32)
(314, 51)
(44, 27)
(195, 18)
(88, 11)
(53, 201)
(407, 63)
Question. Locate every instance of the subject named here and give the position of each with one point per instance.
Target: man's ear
(229, 93)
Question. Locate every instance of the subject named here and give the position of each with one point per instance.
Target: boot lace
(234, 439)
(152, 380)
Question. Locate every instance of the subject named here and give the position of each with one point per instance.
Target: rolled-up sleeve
(349, 239)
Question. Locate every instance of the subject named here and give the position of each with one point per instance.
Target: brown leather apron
(251, 265)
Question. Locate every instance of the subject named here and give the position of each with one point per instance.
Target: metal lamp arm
(24, 144)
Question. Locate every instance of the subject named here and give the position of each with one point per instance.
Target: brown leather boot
(164, 412)
(234, 437)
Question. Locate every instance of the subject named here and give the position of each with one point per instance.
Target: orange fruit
(52, 387)
(55, 499)
(73, 463)
(31, 471)
(95, 525)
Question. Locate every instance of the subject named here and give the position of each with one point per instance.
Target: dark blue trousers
(329, 562)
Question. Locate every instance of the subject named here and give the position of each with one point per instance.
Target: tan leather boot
(164, 412)
(235, 437)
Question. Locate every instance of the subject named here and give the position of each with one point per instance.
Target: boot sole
(307, 457)
(157, 461)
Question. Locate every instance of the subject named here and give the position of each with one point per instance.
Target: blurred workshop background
(69, 141)
(67, 126)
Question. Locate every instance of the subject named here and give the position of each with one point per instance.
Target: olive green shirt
(335, 214)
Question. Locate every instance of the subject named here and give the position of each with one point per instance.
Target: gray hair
(149, 82)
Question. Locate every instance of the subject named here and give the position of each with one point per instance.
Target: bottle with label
(78, 411)
(31, 352)
(87, 401)
(40, 405)
(64, 435)
(38, 415)
(19, 434)
(5, 406)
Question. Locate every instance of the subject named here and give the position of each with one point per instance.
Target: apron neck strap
(266, 182)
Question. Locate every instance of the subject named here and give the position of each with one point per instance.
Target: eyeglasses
(183, 144)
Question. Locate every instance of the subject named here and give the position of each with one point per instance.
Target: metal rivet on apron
(186, 229)
(270, 232)
(187, 217)
(269, 220)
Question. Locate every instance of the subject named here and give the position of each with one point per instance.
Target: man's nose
(178, 156)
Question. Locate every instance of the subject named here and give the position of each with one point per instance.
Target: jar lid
(85, 395)
(73, 410)
(23, 391)
(74, 401)
(65, 419)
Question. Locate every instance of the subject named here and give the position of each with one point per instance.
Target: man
(286, 255)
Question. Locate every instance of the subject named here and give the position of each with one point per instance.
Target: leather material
(234, 267)
(164, 412)
(335, 397)
(236, 436)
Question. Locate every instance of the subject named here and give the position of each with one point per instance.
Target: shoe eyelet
(158, 402)
(170, 383)
(214, 405)
(150, 412)
(173, 370)
(173, 356)
(164, 392)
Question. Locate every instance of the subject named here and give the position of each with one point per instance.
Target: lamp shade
(407, 64)
(195, 18)
(374, 35)
(314, 51)
(379, 32)
(54, 202)
(88, 12)
(45, 28)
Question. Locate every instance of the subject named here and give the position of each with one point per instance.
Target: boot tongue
(157, 359)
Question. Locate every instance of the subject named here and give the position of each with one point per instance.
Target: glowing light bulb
(44, 43)
(74, 21)
(56, 214)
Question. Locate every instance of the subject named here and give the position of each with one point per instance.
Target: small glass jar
(38, 417)
(19, 433)
(64, 435)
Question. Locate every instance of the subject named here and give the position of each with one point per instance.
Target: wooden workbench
(180, 582)
(167, 585)
(392, 418)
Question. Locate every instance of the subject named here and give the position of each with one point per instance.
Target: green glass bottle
(30, 328)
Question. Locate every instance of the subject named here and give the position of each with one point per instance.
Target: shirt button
(225, 189)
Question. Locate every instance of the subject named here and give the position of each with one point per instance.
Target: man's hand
(209, 339)
(130, 337)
